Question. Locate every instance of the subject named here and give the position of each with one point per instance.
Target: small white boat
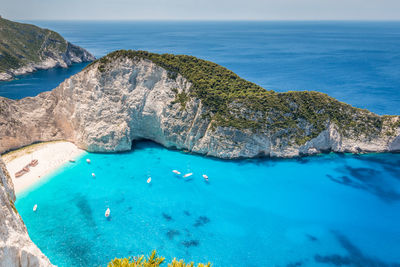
(88, 160)
(188, 174)
(176, 172)
(93, 175)
(108, 212)
(149, 180)
(205, 177)
(35, 207)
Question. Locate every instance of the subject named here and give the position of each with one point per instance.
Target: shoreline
(50, 155)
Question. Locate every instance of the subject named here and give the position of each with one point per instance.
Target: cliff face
(25, 48)
(16, 248)
(115, 101)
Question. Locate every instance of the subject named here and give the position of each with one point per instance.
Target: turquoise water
(355, 62)
(319, 211)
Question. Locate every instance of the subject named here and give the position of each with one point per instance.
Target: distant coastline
(19, 54)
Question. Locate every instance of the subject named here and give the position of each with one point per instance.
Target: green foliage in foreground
(23, 43)
(234, 102)
(152, 261)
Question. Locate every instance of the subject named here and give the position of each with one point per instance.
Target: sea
(325, 210)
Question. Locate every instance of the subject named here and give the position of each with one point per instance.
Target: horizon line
(213, 20)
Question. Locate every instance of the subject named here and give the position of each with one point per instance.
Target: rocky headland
(25, 48)
(187, 103)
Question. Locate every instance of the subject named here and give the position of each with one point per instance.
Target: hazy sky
(201, 9)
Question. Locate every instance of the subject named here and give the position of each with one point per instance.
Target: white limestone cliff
(104, 111)
(16, 248)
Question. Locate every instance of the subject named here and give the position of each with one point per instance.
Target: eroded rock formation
(107, 106)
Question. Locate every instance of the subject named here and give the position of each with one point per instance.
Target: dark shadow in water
(303, 160)
(389, 164)
(354, 258)
(167, 217)
(311, 237)
(202, 220)
(171, 233)
(120, 200)
(86, 211)
(77, 249)
(187, 213)
(295, 264)
(345, 180)
(191, 243)
(188, 233)
(363, 174)
(367, 179)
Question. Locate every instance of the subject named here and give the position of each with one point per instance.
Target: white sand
(51, 156)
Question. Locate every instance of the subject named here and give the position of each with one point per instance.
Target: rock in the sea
(16, 248)
(186, 103)
(25, 48)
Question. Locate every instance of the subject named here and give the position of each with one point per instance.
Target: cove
(331, 209)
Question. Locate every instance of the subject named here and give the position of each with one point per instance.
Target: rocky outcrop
(73, 54)
(25, 48)
(108, 105)
(16, 248)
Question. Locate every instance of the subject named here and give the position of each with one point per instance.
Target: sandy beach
(50, 156)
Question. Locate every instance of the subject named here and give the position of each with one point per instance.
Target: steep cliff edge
(26, 48)
(16, 248)
(186, 103)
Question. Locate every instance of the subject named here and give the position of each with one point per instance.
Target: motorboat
(176, 172)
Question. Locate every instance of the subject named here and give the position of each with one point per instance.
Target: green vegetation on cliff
(23, 43)
(234, 102)
(152, 261)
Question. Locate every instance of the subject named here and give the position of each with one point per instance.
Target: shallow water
(330, 209)
(355, 62)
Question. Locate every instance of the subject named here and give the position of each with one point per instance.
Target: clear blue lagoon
(326, 210)
(319, 210)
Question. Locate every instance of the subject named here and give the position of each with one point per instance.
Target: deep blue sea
(355, 62)
(326, 210)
